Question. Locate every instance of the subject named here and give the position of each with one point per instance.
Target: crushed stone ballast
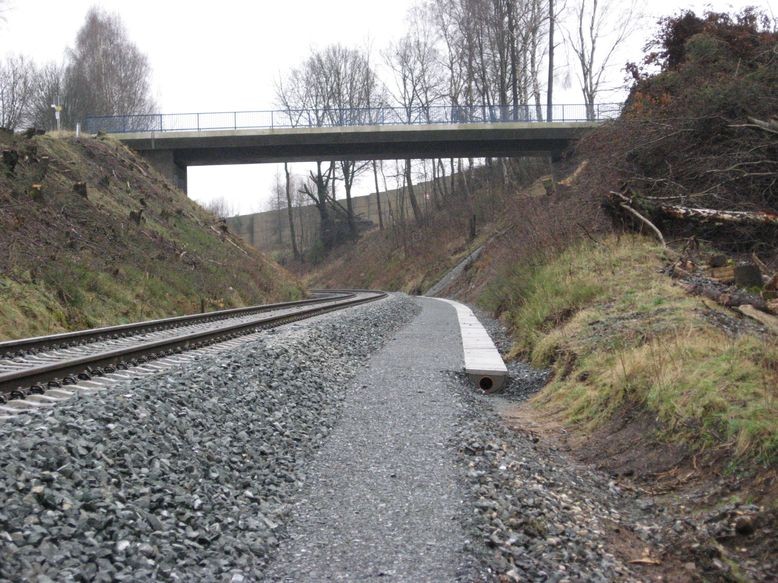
(36, 375)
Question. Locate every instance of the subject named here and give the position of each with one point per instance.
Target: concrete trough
(483, 363)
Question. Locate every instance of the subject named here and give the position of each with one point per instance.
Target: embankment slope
(91, 235)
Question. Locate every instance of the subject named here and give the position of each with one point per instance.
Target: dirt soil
(717, 523)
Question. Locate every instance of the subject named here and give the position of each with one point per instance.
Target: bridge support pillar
(164, 161)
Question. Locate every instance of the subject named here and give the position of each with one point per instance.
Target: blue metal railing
(311, 118)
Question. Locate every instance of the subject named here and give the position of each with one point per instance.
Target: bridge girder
(171, 152)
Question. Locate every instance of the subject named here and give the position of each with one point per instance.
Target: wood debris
(770, 321)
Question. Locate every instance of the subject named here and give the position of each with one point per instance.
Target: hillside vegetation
(619, 335)
(92, 235)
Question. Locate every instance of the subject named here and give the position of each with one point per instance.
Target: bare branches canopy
(104, 74)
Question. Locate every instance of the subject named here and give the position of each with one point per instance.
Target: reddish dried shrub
(687, 134)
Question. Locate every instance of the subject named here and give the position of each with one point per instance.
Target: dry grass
(616, 333)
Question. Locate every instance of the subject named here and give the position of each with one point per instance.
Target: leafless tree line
(460, 60)
(103, 74)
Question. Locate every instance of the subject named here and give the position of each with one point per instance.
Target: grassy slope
(618, 333)
(71, 262)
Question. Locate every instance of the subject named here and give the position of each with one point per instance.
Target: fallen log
(723, 274)
(771, 322)
(726, 296)
(769, 218)
(718, 216)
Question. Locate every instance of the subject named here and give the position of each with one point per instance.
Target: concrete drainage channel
(483, 363)
(38, 372)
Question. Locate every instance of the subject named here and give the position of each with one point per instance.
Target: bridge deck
(358, 142)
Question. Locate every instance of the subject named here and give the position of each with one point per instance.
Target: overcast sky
(226, 55)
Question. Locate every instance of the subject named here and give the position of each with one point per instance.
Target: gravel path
(385, 499)
(186, 475)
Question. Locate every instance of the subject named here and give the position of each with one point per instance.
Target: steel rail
(17, 382)
(37, 343)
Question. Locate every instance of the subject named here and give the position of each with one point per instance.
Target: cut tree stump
(80, 188)
(747, 275)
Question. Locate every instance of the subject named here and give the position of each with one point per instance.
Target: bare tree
(535, 22)
(47, 90)
(597, 22)
(551, 47)
(277, 205)
(106, 73)
(355, 92)
(419, 85)
(305, 96)
(16, 87)
(334, 86)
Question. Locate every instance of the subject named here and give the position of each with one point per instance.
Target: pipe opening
(486, 383)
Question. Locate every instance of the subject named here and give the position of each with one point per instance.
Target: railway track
(35, 372)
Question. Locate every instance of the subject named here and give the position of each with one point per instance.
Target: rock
(122, 546)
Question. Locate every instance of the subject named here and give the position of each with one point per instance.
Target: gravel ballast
(185, 475)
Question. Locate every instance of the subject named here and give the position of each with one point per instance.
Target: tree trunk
(442, 178)
(348, 179)
(290, 214)
(390, 211)
(550, 89)
(326, 234)
(378, 197)
(436, 194)
(453, 188)
(514, 63)
(718, 216)
(411, 195)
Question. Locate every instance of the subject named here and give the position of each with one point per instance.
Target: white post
(57, 111)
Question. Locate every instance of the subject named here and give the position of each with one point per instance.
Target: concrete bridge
(171, 149)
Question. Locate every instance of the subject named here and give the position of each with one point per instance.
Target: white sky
(226, 56)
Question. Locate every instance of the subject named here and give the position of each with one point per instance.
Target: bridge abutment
(164, 161)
